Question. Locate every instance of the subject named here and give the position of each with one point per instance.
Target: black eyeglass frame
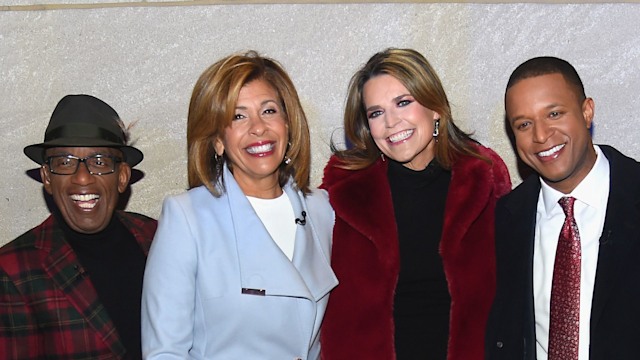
(116, 161)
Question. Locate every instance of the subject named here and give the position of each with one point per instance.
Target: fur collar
(363, 198)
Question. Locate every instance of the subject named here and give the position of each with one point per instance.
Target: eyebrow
(514, 119)
(261, 104)
(399, 97)
(548, 107)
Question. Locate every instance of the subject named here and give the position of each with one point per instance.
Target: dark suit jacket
(48, 307)
(615, 312)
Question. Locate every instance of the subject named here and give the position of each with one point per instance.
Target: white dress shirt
(590, 209)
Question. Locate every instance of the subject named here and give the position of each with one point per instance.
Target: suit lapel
(619, 231)
(65, 271)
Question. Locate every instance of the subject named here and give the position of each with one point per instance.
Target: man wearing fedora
(70, 287)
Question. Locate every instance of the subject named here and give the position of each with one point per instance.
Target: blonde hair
(416, 74)
(212, 108)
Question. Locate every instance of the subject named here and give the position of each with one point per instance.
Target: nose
(541, 132)
(257, 125)
(82, 175)
(391, 119)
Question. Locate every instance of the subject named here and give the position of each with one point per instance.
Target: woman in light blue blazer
(239, 266)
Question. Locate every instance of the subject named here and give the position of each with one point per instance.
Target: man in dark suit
(70, 288)
(567, 238)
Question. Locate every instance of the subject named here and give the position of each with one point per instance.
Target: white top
(590, 209)
(278, 218)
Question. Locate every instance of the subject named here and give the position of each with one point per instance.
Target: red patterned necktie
(564, 323)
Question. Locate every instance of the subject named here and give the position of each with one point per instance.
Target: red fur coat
(358, 323)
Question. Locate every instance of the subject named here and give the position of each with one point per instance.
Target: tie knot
(567, 205)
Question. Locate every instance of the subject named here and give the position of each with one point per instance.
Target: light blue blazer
(216, 285)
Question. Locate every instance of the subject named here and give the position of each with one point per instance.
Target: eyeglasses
(96, 164)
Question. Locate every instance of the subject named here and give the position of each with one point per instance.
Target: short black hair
(545, 65)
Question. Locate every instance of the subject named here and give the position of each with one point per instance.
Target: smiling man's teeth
(551, 151)
(402, 135)
(85, 201)
(260, 149)
(85, 197)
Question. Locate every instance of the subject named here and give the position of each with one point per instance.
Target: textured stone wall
(144, 59)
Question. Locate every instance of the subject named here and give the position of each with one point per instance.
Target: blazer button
(499, 344)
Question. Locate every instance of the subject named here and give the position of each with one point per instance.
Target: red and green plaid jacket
(48, 307)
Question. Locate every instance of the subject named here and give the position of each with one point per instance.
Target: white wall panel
(144, 60)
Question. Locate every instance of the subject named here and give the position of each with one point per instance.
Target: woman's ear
(218, 146)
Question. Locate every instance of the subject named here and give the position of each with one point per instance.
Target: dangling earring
(287, 159)
(436, 129)
(382, 156)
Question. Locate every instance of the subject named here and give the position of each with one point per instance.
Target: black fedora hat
(84, 121)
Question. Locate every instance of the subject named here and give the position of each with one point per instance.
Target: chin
(88, 227)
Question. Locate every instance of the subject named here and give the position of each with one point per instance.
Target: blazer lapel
(264, 268)
(309, 258)
(65, 271)
(619, 232)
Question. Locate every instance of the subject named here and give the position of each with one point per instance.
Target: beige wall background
(144, 57)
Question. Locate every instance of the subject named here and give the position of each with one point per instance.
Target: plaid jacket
(48, 307)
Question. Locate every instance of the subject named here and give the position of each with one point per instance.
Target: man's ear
(588, 110)
(124, 175)
(45, 175)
